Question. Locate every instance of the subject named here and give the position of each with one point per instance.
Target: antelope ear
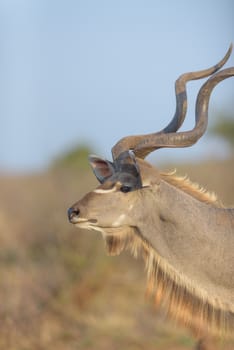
(103, 169)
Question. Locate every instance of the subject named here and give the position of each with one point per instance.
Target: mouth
(116, 238)
(80, 221)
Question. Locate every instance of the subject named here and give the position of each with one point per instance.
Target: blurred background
(76, 76)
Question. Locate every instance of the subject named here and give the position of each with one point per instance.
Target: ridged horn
(142, 145)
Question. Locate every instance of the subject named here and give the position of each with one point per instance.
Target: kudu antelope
(184, 235)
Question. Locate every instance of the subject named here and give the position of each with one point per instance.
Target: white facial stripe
(146, 184)
(130, 207)
(119, 221)
(103, 191)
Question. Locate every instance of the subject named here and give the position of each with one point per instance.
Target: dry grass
(59, 290)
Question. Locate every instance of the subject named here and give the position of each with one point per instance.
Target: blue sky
(74, 72)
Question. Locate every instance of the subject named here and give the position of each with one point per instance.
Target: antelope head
(137, 207)
(117, 205)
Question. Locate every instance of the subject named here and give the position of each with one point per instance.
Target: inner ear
(103, 169)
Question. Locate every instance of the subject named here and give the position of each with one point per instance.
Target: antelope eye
(125, 188)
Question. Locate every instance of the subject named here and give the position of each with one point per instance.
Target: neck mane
(183, 300)
(191, 188)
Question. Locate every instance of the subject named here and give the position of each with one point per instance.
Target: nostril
(72, 212)
(76, 212)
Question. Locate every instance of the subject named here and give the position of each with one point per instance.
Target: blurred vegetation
(75, 158)
(224, 128)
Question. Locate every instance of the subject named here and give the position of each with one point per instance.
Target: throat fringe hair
(183, 301)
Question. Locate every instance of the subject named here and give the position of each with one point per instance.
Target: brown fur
(183, 301)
